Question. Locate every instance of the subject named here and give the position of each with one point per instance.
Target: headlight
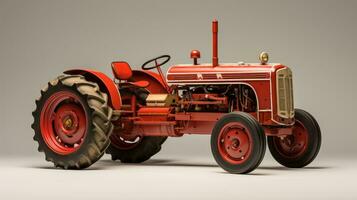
(264, 58)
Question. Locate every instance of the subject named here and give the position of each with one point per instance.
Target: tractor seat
(122, 71)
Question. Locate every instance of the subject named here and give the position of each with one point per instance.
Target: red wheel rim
(63, 122)
(293, 145)
(235, 143)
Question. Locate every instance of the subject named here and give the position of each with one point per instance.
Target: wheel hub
(63, 122)
(68, 123)
(67, 120)
(235, 143)
(295, 144)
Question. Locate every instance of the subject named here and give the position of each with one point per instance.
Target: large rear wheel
(302, 146)
(238, 143)
(72, 122)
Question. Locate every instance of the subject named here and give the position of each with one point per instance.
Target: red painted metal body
(261, 78)
(198, 113)
(157, 85)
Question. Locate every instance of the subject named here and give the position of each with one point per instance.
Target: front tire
(238, 143)
(72, 122)
(302, 146)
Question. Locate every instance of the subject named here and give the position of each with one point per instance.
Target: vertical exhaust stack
(215, 43)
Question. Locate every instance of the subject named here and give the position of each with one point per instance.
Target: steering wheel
(157, 64)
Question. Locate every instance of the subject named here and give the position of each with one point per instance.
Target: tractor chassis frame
(178, 124)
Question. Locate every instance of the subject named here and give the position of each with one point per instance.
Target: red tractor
(83, 114)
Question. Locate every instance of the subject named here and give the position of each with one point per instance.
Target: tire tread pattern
(101, 126)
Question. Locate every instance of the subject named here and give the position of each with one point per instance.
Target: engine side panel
(261, 78)
(181, 74)
(262, 92)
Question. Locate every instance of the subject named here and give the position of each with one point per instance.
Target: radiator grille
(285, 98)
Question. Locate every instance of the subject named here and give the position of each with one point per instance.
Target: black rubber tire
(99, 126)
(313, 145)
(147, 147)
(258, 139)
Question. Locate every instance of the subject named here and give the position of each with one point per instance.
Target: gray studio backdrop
(317, 39)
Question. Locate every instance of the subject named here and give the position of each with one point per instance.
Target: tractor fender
(157, 86)
(105, 84)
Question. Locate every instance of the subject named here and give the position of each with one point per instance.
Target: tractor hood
(225, 72)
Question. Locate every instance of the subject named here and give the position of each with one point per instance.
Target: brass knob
(264, 58)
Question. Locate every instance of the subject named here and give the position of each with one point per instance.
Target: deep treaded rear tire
(98, 128)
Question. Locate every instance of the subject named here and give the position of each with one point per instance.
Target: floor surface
(175, 178)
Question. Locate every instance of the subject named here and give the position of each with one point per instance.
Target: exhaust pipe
(215, 43)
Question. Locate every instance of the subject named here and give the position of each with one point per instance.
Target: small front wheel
(302, 146)
(238, 143)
